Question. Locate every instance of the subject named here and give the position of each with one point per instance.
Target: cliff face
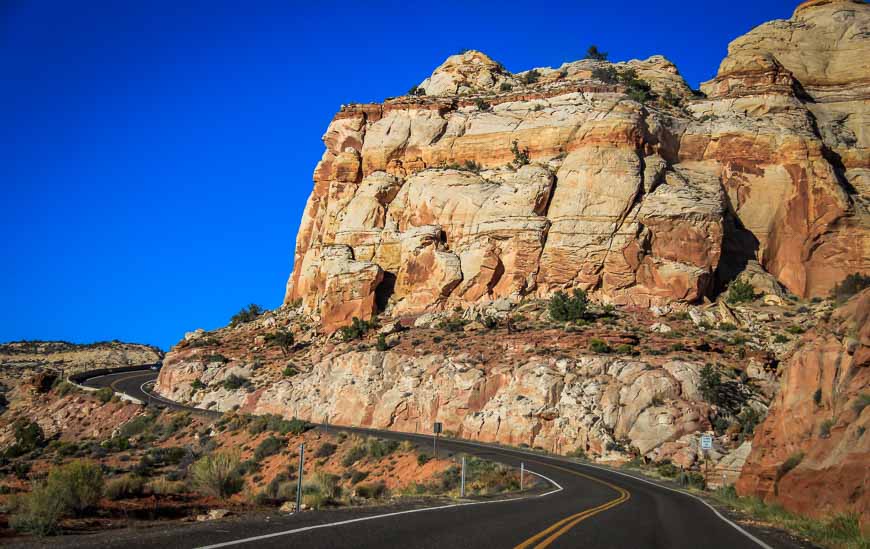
(72, 358)
(427, 202)
(811, 453)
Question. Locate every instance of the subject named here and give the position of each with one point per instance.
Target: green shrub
(850, 286)
(521, 156)
(740, 291)
(269, 446)
(217, 474)
(353, 455)
(453, 324)
(374, 490)
(217, 357)
(817, 396)
(38, 512)
(505, 87)
(564, 308)
(749, 420)
(125, 487)
(137, 425)
(197, 385)
(825, 428)
(594, 53)
(381, 345)
(599, 346)
(356, 330)
(727, 327)
(795, 330)
(607, 74)
(861, 402)
(290, 371)
(636, 88)
(692, 480)
(482, 105)
(326, 449)
(779, 338)
(473, 166)
(378, 448)
(358, 476)
(624, 348)
(423, 459)
(28, 437)
(531, 77)
(711, 383)
(234, 382)
(416, 90)
(79, 484)
(246, 314)
(668, 469)
(282, 339)
(104, 394)
(793, 461)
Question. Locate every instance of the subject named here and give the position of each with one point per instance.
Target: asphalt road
(595, 508)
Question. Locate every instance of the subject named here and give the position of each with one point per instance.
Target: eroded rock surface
(647, 203)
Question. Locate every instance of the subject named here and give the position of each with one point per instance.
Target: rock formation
(71, 358)
(496, 185)
(811, 454)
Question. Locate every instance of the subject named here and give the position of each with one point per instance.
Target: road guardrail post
(299, 481)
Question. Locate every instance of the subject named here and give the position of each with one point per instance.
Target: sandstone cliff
(72, 358)
(496, 185)
(811, 454)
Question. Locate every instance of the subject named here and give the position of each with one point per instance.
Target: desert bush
(38, 512)
(599, 346)
(282, 339)
(793, 461)
(473, 166)
(247, 314)
(711, 383)
(353, 455)
(290, 371)
(382, 345)
(594, 53)
(779, 338)
(692, 479)
(423, 459)
(356, 330)
(505, 87)
(740, 291)
(667, 469)
(374, 490)
(163, 486)
(326, 449)
(416, 91)
(127, 486)
(269, 446)
(28, 437)
(521, 156)
(358, 476)
(564, 308)
(482, 105)
(531, 77)
(850, 286)
(378, 448)
(197, 385)
(825, 428)
(137, 425)
(607, 74)
(79, 484)
(234, 382)
(217, 474)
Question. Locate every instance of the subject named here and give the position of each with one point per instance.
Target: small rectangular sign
(706, 442)
(437, 427)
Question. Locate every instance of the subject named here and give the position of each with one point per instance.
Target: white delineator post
(522, 473)
(462, 484)
(299, 480)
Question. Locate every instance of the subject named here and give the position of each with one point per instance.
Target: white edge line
(715, 511)
(361, 519)
(555, 458)
(559, 458)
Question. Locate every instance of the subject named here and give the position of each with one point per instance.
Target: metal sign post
(437, 427)
(462, 484)
(299, 481)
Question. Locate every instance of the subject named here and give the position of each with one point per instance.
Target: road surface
(585, 507)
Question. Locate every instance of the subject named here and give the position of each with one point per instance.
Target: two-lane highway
(594, 508)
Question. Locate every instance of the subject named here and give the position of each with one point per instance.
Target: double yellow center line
(545, 537)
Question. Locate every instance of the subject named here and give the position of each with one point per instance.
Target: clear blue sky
(156, 155)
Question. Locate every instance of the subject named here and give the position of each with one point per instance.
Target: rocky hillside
(71, 358)
(811, 454)
(615, 178)
(706, 227)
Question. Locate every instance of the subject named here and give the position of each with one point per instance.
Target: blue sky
(155, 156)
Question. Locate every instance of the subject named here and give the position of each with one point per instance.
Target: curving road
(587, 506)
